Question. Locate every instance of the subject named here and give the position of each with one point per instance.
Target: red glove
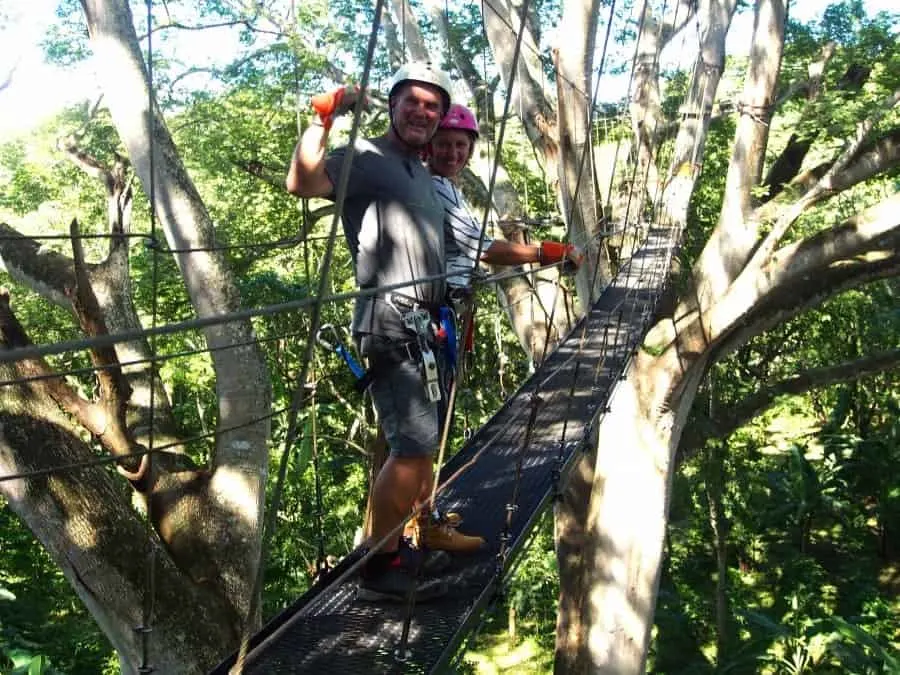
(554, 252)
(334, 103)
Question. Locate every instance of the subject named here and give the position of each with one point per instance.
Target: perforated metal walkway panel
(329, 631)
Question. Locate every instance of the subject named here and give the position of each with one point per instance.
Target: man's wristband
(317, 121)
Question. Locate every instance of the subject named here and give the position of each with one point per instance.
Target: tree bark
(211, 521)
(235, 488)
(581, 206)
(83, 520)
(628, 509)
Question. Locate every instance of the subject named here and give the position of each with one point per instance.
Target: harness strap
(382, 360)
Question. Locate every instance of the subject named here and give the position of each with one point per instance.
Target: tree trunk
(240, 462)
(210, 521)
(580, 204)
(628, 510)
(84, 521)
(570, 542)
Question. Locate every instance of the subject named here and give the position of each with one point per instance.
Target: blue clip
(339, 349)
(448, 324)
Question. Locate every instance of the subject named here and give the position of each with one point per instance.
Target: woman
(449, 152)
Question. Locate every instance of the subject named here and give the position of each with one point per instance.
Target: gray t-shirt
(394, 225)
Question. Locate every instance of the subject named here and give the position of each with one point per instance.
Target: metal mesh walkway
(329, 631)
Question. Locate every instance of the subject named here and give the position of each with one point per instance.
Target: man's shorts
(410, 421)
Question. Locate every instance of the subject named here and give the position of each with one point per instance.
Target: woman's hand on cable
(330, 105)
(553, 252)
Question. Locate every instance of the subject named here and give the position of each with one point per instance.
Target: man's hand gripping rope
(553, 252)
(333, 104)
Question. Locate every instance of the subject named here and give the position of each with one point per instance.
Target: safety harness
(428, 325)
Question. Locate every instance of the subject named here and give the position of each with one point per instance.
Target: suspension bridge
(500, 481)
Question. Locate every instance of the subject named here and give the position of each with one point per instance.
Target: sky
(37, 89)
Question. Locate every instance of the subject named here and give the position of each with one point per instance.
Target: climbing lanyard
(335, 345)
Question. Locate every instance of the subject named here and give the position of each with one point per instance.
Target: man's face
(450, 151)
(417, 110)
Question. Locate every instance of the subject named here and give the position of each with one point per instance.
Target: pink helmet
(460, 117)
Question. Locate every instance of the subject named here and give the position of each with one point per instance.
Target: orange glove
(334, 103)
(554, 252)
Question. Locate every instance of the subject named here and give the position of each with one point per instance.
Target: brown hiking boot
(441, 536)
(451, 519)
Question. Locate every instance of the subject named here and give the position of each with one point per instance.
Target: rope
(489, 199)
(301, 397)
(321, 559)
(150, 592)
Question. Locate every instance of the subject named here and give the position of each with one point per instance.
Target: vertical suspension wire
(299, 399)
(321, 557)
(674, 236)
(478, 251)
(551, 319)
(658, 196)
(587, 146)
(652, 158)
(488, 102)
(149, 604)
(631, 179)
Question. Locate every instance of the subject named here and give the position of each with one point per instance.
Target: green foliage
(44, 628)
(812, 492)
(519, 631)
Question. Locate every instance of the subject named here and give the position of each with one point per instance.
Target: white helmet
(424, 73)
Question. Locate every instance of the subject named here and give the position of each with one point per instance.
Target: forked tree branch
(827, 185)
(722, 426)
(41, 378)
(114, 388)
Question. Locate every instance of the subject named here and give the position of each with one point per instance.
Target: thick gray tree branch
(732, 242)
(46, 272)
(410, 36)
(827, 184)
(814, 378)
(40, 375)
(864, 248)
(738, 414)
(478, 89)
(243, 392)
(530, 99)
(787, 164)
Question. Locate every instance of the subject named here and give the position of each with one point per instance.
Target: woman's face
(450, 152)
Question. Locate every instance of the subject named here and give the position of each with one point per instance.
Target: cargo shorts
(411, 423)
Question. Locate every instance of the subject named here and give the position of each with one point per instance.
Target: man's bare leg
(397, 489)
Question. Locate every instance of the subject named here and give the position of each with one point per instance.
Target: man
(393, 224)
